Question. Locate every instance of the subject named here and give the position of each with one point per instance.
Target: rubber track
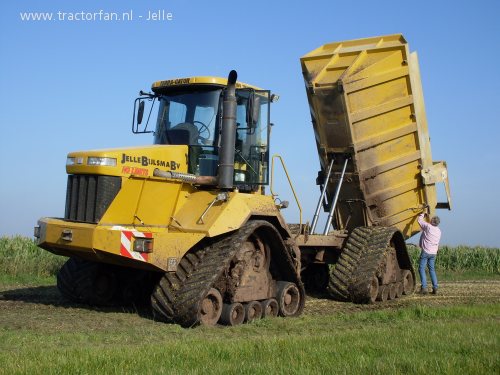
(359, 262)
(74, 280)
(67, 279)
(374, 255)
(163, 296)
(209, 266)
(341, 273)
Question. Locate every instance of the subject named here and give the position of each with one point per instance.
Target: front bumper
(113, 244)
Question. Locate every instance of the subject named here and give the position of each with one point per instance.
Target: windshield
(188, 118)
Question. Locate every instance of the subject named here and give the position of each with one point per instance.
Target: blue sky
(70, 85)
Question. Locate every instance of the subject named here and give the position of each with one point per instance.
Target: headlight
(97, 160)
(71, 160)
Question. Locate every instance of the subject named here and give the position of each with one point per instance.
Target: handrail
(321, 198)
(289, 182)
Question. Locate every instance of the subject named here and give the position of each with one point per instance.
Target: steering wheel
(202, 129)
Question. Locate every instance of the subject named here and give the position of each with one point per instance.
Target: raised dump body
(367, 107)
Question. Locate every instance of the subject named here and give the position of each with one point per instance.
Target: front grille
(89, 196)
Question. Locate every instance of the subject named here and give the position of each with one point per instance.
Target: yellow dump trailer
(377, 173)
(368, 114)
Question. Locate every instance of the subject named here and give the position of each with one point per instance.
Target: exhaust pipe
(228, 134)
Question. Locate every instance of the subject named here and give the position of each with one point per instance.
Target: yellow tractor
(187, 225)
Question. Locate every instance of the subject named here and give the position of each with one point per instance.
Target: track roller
(383, 293)
(399, 289)
(392, 291)
(232, 314)
(253, 311)
(211, 307)
(270, 308)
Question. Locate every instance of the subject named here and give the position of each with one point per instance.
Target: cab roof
(214, 81)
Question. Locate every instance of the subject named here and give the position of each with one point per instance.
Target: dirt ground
(37, 301)
(450, 293)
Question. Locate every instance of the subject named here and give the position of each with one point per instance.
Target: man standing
(429, 243)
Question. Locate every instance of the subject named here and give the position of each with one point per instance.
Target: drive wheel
(288, 298)
(233, 314)
(270, 308)
(211, 308)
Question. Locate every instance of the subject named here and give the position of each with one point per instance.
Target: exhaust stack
(228, 134)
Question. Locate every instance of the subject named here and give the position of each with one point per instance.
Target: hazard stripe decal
(126, 243)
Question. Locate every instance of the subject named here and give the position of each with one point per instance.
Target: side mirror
(139, 106)
(140, 112)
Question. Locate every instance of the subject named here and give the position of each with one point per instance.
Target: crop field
(457, 331)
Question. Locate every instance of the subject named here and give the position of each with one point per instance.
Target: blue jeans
(429, 260)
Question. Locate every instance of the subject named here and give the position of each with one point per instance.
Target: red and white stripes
(126, 238)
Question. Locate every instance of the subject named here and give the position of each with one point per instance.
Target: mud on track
(42, 306)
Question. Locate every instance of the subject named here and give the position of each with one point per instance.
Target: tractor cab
(189, 111)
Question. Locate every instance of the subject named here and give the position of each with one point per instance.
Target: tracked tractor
(187, 225)
(185, 220)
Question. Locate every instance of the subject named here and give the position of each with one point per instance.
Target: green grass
(448, 340)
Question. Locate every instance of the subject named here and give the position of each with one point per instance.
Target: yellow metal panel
(157, 201)
(172, 245)
(222, 217)
(392, 179)
(143, 202)
(367, 130)
(107, 239)
(123, 208)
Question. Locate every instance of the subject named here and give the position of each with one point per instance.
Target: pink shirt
(429, 239)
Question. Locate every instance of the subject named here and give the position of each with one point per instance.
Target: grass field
(456, 332)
